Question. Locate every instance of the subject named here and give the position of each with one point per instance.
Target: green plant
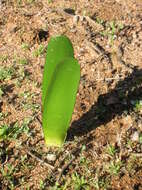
(140, 138)
(7, 175)
(1, 92)
(3, 58)
(23, 61)
(111, 150)
(79, 183)
(101, 183)
(60, 83)
(39, 51)
(3, 132)
(25, 46)
(100, 21)
(42, 184)
(137, 105)
(114, 167)
(84, 161)
(30, 1)
(131, 164)
(13, 132)
(6, 73)
(3, 115)
(111, 30)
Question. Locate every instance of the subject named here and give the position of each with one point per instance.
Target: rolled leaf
(60, 100)
(58, 48)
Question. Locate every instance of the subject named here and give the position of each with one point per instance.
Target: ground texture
(103, 149)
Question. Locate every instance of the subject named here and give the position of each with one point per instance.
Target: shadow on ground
(116, 102)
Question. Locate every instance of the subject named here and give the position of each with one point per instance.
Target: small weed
(23, 158)
(111, 30)
(21, 74)
(76, 182)
(6, 73)
(20, 60)
(30, 1)
(25, 46)
(28, 188)
(13, 132)
(31, 106)
(1, 92)
(9, 171)
(42, 185)
(17, 83)
(3, 58)
(101, 183)
(3, 132)
(140, 138)
(99, 21)
(3, 115)
(58, 187)
(111, 150)
(27, 94)
(18, 130)
(23, 61)
(79, 182)
(114, 167)
(129, 143)
(131, 164)
(82, 158)
(7, 174)
(84, 161)
(25, 126)
(137, 105)
(39, 51)
(120, 26)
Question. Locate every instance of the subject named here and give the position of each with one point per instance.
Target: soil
(103, 149)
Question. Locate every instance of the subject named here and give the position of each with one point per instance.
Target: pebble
(135, 136)
(75, 19)
(51, 157)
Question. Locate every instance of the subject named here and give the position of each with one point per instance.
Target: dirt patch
(103, 149)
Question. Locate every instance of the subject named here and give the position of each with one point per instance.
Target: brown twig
(39, 121)
(40, 160)
(26, 149)
(64, 168)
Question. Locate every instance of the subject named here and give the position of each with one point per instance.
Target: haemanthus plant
(59, 88)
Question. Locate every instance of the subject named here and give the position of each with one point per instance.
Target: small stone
(75, 19)
(82, 18)
(51, 157)
(135, 136)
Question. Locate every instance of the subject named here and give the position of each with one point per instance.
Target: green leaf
(3, 131)
(58, 48)
(59, 88)
(60, 100)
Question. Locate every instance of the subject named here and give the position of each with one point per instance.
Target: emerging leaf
(58, 48)
(59, 92)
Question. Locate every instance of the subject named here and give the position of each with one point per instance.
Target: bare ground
(103, 149)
